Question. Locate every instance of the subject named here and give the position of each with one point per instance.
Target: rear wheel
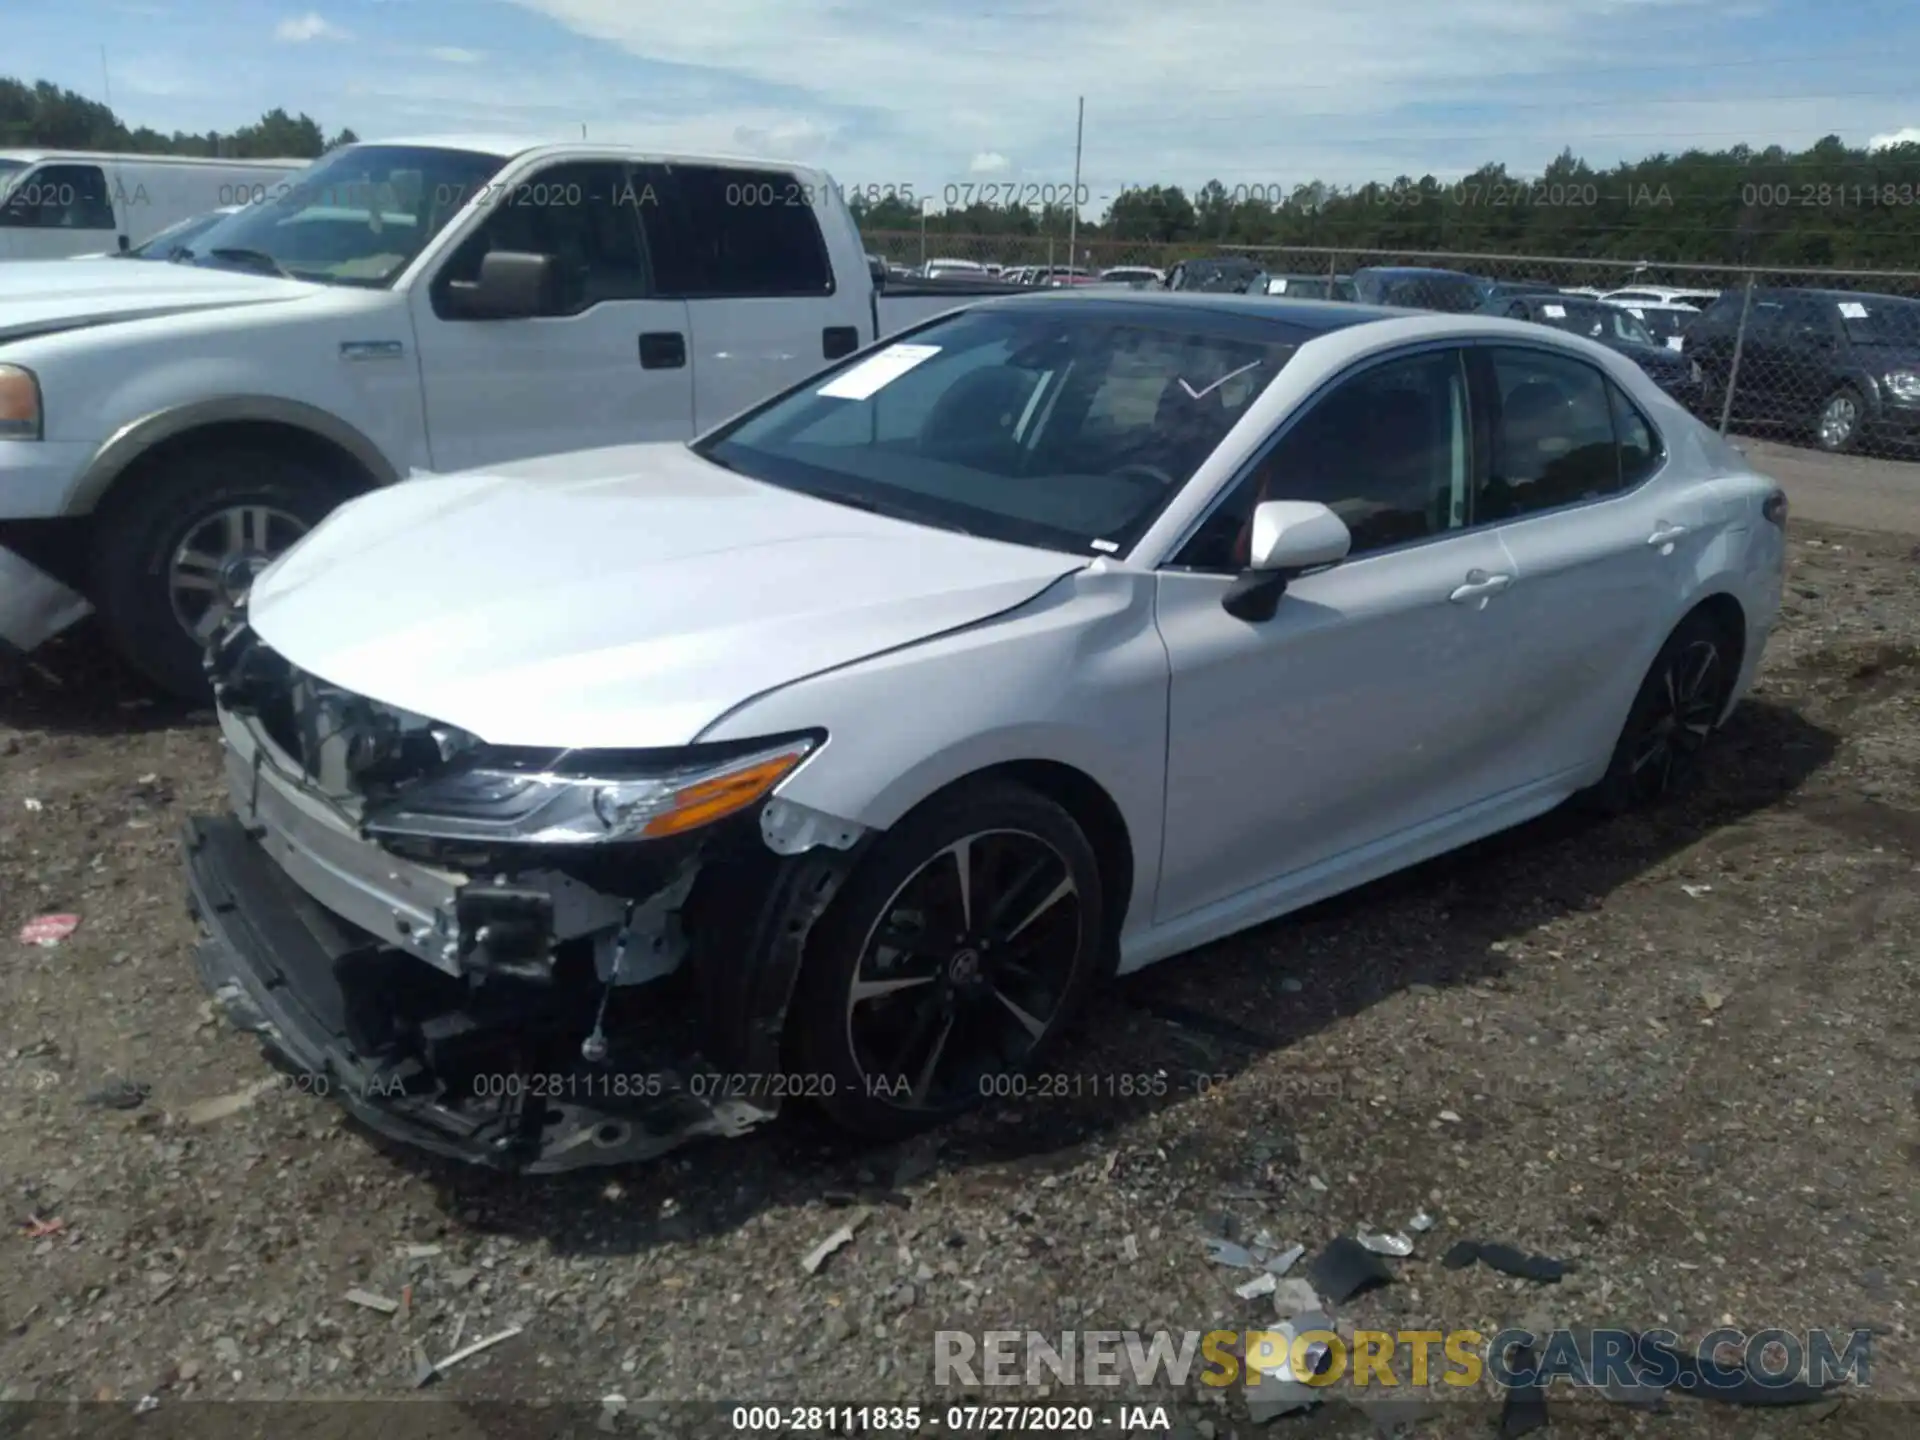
(175, 552)
(951, 963)
(1673, 717)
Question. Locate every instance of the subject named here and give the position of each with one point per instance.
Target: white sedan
(594, 802)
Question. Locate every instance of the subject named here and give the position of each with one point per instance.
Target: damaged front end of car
(537, 960)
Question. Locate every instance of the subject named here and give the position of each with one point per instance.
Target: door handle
(663, 350)
(1665, 534)
(1479, 585)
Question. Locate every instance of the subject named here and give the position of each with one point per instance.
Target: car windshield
(1664, 324)
(9, 172)
(1454, 294)
(1877, 320)
(1062, 426)
(162, 243)
(356, 217)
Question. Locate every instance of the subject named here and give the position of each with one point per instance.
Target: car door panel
(1358, 711)
(499, 390)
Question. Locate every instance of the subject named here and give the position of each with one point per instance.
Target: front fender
(1077, 678)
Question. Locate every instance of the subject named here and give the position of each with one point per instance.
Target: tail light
(1775, 508)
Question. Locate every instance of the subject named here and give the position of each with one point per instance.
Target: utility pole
(106, 79)
(1073, 216)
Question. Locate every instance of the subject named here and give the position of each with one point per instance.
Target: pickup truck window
(1024, 424)
(715, 232)
(59, 197)
(357, 217)
(579, 213)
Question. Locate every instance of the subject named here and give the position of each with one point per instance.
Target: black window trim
(1475, 454)
(437, 282)
(667, 172)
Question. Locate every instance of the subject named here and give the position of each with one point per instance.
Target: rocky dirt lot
(1680, 1052)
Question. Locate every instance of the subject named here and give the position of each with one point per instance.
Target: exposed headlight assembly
(583, 800)
(1905, 384)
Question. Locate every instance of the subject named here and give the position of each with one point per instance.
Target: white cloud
(299, 29)
(454, 55)
(1907, 135)
(988, 162)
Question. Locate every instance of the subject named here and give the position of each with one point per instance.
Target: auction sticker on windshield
(1554, 312)
(877, 372)
(1853, 310)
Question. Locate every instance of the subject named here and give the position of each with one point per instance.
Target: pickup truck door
(612, 367)
(743, 248)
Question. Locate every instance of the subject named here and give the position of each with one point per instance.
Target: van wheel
(183, 540)
(950, 964)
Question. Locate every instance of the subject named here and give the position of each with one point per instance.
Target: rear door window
(718, 232)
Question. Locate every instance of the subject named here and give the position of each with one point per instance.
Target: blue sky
(941, 93)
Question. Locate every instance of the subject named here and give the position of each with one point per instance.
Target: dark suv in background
(1842, 366)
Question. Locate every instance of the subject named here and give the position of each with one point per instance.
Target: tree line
(1829, 205)
(45, 116)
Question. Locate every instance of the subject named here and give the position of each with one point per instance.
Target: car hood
(626, 597)
(39, 297)
(1652, 357)
(1885, 355)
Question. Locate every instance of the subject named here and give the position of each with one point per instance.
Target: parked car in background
(1506, 289)
(1418, 288)
(1119, 624)
(1060, 276)
(1311, 287)
(167, 243)
(55, 204)
(1840, 366)
(1613, 327)
(1668, 324)
(1220, 274)
(934, 269)
(1145, 273)
(167, 429)
(1662, 295)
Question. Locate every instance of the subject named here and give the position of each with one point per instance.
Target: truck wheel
(183, 541)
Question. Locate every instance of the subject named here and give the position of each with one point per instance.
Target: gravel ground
(1680, 1052)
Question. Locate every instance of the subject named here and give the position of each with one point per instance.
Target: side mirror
(877, 268)
(1289, 538)
(125, 245)
(513, 285)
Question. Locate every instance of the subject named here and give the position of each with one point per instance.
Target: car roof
(513, 147)
(1397, 271)
(1317, 317)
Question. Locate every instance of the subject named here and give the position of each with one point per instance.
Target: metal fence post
(1733, 366)
(1333, 273)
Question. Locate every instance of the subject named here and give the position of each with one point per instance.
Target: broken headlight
(580, 798)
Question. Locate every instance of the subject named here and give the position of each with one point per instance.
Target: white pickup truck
(400, 307)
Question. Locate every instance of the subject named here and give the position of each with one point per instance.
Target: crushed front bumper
(275, 961)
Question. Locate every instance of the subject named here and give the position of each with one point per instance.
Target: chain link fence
(1827, 358)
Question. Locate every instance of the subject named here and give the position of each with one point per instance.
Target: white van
(59, 203)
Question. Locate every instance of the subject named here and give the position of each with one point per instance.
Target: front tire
(181, 542)
(951, 963)
(1672, 719)
(1842, 418)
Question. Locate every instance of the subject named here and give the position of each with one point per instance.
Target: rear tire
(1672, 720)
(177, 543)
(978, 983)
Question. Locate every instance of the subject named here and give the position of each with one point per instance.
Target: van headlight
(585, 797)
(20, 414)
(1905, 384)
